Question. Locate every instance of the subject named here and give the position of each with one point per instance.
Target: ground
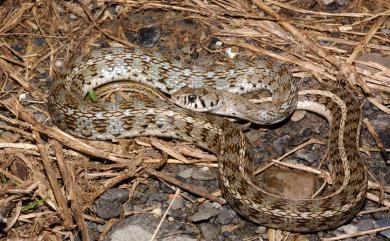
(55, 187)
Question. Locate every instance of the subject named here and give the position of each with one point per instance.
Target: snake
(149, 113)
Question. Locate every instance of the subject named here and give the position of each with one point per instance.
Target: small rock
(204, 213)
(147, 37)
(178, 203)
(327, 2)
(40, 42)
(93, 230)
(231, 52)
(187, 49)
(261, 230)
(186, 173)
(302, 237)
(195, 55)
(72, 16)
(131, 233)
(364, 224)
(254, 135)
(349, 229)
(385, 31)
(109, 204)
(203, 175)
(157, 212)
(293, 184)
(210, 232)
(308, 155)
(59, 63)
(279, 145)
(226, 216)
(342, 2)
(384, 222)
(131, 36)
(156, 197)
(298, 115)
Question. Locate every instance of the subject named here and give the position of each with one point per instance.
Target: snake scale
(153, 115)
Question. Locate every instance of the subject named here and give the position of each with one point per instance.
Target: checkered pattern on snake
(152, 114)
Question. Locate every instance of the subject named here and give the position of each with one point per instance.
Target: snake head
(200, 99)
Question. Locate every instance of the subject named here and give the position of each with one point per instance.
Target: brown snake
(151, 114)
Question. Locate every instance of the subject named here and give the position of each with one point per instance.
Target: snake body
(152, 115)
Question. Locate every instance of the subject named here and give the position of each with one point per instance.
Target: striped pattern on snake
(151, 115)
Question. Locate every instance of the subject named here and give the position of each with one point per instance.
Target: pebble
(59, 63)
(308, 155)
(384, 222)
(187, 49)
(131, 36)
(156, 197)
(40, 42)
(279, 145)
(209, 231)
(348, 229)
(327, 2)
(364, 224)
(203, 175)
(254, 135)
(157, 212)
(298, 115)
(72, 16)
(302, 237)
(226, 216)
(109, 204)
(342, 2)
(178, 203)
(186, 173)
(148, 37)
(204, 212)
(261, 230)
(140, 227)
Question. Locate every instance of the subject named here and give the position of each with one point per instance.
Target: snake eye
(191, 98)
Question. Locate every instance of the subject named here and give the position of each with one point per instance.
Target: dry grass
(47, 180)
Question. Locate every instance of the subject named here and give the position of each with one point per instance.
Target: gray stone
(348, 229)
(364, 224)
(109, 204)
(384, 222)
(254, 135)
(203, 175)
(209, 231)
(177, 204)
(327, 2)
(186, 173)
(204, 213)
(138, 233)
(308, 155)
(226, 216)
(261, 230)
(140, 227)
(279, 145)
(342, 2)
(148, 37)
